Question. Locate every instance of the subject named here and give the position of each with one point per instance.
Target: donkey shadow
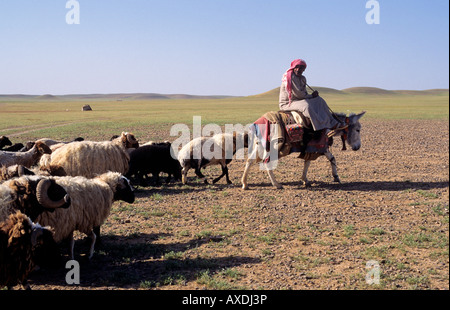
(376, 186)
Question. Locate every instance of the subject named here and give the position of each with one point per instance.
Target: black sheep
(154, 158)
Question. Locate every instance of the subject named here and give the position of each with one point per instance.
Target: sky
(220, 47)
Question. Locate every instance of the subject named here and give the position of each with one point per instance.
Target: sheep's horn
(44, 200)
(21, 170)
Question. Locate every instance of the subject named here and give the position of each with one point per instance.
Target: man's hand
(315, 94)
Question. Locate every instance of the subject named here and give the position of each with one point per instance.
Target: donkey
(349, 130)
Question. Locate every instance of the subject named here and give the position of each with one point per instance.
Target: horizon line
(220, 95)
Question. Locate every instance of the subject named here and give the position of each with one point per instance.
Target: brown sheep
(20, 241)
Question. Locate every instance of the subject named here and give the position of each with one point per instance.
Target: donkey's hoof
(245, 187)
(306, 183)
(337, 180)
(279, 186)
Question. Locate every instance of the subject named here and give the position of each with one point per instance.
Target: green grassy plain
(28, 118)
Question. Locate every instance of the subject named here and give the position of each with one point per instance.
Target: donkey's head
(354, 128)
(351, 132)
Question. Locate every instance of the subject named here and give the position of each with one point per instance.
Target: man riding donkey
(314, 111)
(305, 124)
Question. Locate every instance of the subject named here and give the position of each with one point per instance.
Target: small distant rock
(86, 107)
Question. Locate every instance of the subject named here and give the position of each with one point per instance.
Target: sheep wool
(19, 237)
(91, 201)
(89, 158)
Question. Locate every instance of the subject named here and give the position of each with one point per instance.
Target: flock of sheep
(49, 189)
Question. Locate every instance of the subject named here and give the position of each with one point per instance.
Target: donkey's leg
(272, 177)
(333, 166)
(251, 159)
(304, 178)
(248, 164)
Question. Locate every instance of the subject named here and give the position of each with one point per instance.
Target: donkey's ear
(358, 116)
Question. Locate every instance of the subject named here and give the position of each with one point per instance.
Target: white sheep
(205, 151)
(89, 158)
(91, 201)
(27, 159)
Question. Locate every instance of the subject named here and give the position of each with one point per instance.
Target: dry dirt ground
(391, 208)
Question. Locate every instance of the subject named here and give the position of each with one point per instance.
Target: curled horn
(44, 200)
(21, 170)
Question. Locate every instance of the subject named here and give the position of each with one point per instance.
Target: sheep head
(129, 140)
(4, 141)
(27, 244)
(124, 191)
(10, 172)
(35, 195)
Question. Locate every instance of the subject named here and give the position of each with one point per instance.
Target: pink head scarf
(287, 77)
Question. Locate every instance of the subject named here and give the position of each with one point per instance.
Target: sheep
(27, 159)
(16, 147)
(10, 172)
(205, 151)
(154, 158)
(4, 141)
(52, 144)
(91, 201)
(88, 158)
(22, 244)
(31, 195)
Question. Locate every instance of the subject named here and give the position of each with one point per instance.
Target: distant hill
(367, 90)
(47, 97)
(117, 97)
(274, 93)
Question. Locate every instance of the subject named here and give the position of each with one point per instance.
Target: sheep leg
(199, 173)
(141, 181)
(26, 285)
(169, 177)
(71, 246)
(156, 178)
(224, 173)
(93, 238)
(97, 234)
(184, 172)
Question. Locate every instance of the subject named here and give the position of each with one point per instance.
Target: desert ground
(390, 209)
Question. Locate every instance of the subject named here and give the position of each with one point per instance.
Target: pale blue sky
(219, 47)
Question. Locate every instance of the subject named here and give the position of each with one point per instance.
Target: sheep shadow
(137, 263)
(178, 188)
